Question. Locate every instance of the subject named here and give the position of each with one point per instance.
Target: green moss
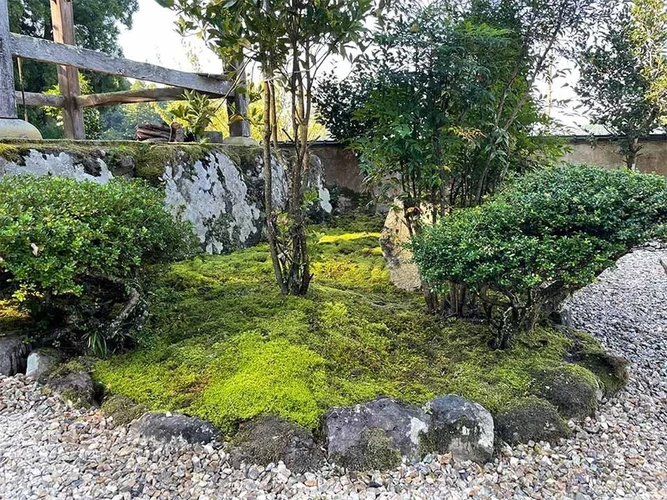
(122, 409)
(222, 343)
(12, 318)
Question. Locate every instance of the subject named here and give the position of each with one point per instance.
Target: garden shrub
(71, 252)
(547, 234)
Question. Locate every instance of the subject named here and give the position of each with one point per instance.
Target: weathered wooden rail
(70, 59)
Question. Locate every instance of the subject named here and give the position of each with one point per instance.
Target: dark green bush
(549, 233)
(71, 251)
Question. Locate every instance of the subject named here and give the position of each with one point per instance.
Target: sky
(153, 39)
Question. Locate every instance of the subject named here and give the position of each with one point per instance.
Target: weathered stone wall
(219, 189)
(603, 152)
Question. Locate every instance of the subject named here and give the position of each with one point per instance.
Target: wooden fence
(70, 59)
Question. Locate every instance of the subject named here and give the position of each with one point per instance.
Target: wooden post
(7, 98)
(239, 103)
(62, 18)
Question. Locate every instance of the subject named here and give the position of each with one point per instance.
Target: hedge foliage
(58, 235)
(548, 233)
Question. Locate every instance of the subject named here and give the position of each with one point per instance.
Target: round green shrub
(65, 245)
(550, 232)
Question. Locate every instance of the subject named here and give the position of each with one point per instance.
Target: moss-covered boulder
(73, 382)
(122, 409)
(374, 435)
(531, 419)
(76, 388)
(572, 389)
(270, 439)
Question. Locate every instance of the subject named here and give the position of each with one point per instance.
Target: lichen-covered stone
(460, 427)
(374, 435)
(41, 361)
(13, 355)
(531, 419)
(570, 388)
(403, 272)
(122, 409)
(219, 189)
(266, 440)
(167, 426)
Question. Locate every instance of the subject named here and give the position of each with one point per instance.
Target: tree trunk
(268, 187)
(631, 155)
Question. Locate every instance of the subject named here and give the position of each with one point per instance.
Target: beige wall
(341, 167)
(652, 157)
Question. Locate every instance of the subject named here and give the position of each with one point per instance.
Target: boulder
(167, 426)
(531, 419)
(42, 361)
(13, 355)
(403, 273)
(122, 409)
(270, 439)
(374, 435)
(75, 387)
(460, 427)
(570, 388)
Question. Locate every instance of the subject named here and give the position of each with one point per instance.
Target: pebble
(49, 450)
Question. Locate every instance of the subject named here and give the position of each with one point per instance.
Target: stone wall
(341, 167)
(219, 189)
(603, 152)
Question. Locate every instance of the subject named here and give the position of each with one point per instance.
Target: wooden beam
(7, 99)
(62, 18)
(133, 97)
(51, 52)
(34, 99)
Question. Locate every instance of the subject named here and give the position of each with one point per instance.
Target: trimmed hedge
(63, 242)
(548, 233)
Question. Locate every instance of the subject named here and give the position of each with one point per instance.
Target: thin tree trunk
(268, 187)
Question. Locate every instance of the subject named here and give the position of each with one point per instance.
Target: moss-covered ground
(222, 343)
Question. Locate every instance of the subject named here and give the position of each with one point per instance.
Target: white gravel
(50, 451)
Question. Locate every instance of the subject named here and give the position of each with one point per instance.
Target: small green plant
(71, 253)
(549, 233)
(195, 114)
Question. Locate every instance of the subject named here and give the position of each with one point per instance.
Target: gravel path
(49, 451)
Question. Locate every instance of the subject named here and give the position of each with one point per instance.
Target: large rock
(531, 419)
(42, 361)
(167, 426)
(404, 274)
(460, 427)
(75, 387)
(266, 440)
(13, 355)
(218, 189)
(570, 388)
(374, 435)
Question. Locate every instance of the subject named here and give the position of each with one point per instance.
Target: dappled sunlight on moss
(223, 344)
(11, 318)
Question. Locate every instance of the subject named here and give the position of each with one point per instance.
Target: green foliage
(623, 74)
(196, 113)
(222, 343)
(60, 238)
(549, 233)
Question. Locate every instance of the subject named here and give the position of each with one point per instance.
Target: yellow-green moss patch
(223, 344)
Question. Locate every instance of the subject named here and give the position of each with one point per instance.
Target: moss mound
(570, 388)
(222, 344)
(122, 409)
(533, 419)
